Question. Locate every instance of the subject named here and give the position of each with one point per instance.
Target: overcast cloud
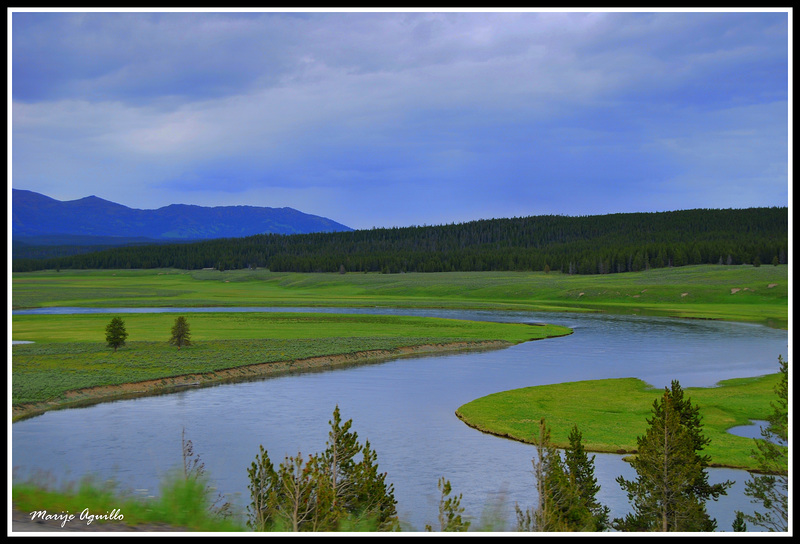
(396, 119)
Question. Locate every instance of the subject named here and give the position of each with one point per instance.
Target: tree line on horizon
(601, 244)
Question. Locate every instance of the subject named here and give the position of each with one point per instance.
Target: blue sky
(382, 119)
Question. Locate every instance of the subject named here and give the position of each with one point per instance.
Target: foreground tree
(671, 488)
(566, 489)
(180, 333)
(330, 491)
(116, 333)
(194, 471)
(770, 488)
(451, 512)
(580, 469)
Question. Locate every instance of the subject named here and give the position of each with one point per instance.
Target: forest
(599, 244)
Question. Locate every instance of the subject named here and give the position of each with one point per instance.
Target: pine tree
(180, 333)
(771, 487)
(739, 525)
(691, 420)
(263, 485)
(294, 505)
(566, 490)
(450, 510)
(116, 333)
(671, 488)
(580, 469)
(330, 491)
(542, 518)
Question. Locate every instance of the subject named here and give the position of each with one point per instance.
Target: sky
(401, 118)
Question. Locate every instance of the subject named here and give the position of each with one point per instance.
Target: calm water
(405, 408)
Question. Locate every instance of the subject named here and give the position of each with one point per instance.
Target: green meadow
(206, 326)
(612, 413)
(737, 293)
(69, 351)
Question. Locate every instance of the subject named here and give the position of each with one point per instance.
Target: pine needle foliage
(451, 513)
(671, 488)
(116, 333)
(566, 489)
(335, 490)
(770, 487)
(180, 333)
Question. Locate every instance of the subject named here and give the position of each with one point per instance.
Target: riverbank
(94, 395)
(69, 355)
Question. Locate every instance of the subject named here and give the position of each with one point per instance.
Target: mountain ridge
(38, 215)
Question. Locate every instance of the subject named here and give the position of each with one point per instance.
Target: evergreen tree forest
(600, 244)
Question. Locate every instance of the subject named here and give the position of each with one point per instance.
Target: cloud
(391, 118)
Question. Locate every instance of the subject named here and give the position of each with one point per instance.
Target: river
(405, 408)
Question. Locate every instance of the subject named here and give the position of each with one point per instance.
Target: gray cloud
(326, 109)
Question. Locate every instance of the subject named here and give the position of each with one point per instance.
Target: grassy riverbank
(737, 293)
(69, 363)
(612, 413)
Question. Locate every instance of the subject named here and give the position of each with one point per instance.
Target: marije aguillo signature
(84, 516)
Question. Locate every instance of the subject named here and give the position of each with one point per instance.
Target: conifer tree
(294, 505)
(691, 420)
(331, 490)
(116, 333)
(263, 484)
(566, 490)
(180, 333)
(671, 488)
(580, 468)
(450, 510)
(771, 487)
(739, 525)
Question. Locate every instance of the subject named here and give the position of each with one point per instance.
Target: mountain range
(40, 220)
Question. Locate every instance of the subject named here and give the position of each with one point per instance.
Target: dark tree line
(576, 245)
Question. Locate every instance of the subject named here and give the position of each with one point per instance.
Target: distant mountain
(40, 220)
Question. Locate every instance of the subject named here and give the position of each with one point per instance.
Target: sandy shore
(94, 395)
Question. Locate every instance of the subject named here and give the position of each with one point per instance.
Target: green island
(612, 413)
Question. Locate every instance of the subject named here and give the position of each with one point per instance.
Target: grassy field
(738, 293)
(155, 327)
(69, 351)
(612, 413)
